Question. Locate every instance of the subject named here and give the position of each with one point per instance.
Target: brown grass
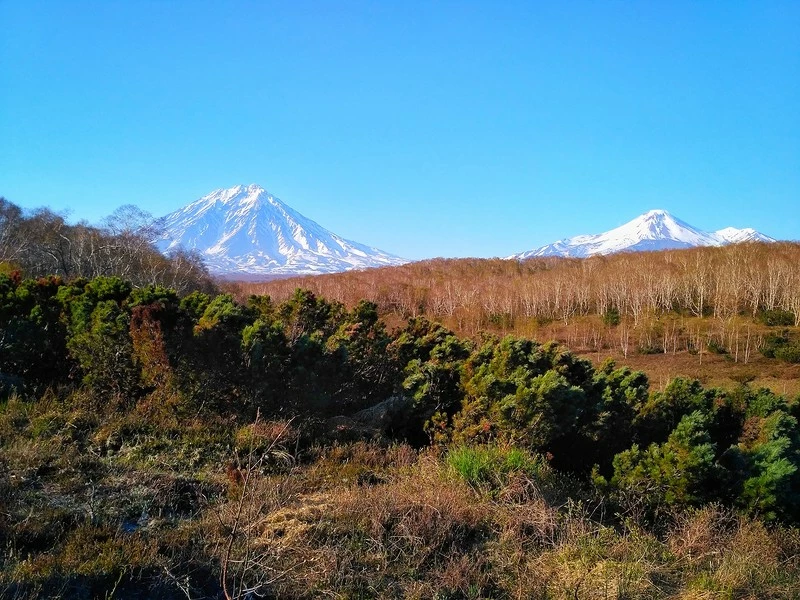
(365, 521)
(417, 531)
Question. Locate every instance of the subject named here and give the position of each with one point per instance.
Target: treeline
(740, 279)
(42, 243)
(149, 349)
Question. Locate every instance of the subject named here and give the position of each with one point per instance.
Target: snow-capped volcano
(246, 230)
(654, 230)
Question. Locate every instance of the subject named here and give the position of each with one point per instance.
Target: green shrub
(649, 349)
(501, 320)
(776, 318)
(789, 353)
(611, 317)
(781, 346)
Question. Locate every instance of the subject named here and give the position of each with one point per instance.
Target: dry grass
(361, 520)
(416, 530)
(722, 555)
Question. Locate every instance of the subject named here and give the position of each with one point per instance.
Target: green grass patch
(492, 466)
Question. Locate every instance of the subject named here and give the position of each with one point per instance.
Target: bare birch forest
(701, 299)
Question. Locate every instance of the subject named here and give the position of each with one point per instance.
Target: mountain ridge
(654, 230)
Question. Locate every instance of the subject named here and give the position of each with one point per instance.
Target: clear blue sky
(423, 128)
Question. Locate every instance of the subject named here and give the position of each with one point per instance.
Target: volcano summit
(245, 230)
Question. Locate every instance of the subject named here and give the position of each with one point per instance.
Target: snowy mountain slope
(731, 235)
(654, 230)
(247, 230)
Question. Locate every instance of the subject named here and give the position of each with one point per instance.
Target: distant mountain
(245, 230)
(654, 230)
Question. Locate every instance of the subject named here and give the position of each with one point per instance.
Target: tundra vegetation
(182, 444)
(395, 433)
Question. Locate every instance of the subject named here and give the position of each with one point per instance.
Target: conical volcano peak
(662, 218)
(253, 191)
(654, 230)
(237, 198)
(656, 213)
(232, 194)
(253, 197)
(246, 230)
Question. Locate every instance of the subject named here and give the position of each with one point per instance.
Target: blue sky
(423, 128)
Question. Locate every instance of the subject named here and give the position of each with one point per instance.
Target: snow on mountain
(731, 235)
(246, 230)
(654, 230)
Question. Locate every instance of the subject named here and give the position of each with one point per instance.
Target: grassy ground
(119, 510)
(366, 522)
